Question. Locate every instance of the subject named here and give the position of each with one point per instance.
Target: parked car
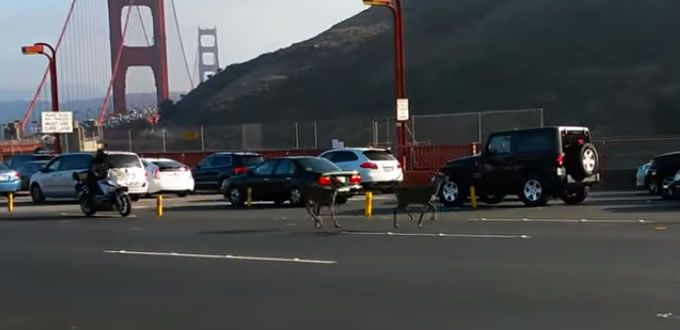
(10, 182)
(55, 180)
(536, 164)
(15, 162)
(27, 170)
(284, 179)
(377, 167)
(662, 169)
(641, 177)
(213, 170)
(168, 176)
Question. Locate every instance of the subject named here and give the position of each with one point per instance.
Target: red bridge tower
(154, 56)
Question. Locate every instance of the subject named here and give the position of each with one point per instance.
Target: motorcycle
(109, 196)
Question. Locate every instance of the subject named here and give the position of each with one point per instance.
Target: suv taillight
(356, 178)
(559, 161)
(369, 165)
(238, 170)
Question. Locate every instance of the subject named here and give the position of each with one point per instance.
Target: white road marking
(96, 216)
(389, 233)
(561, 220)
(220, 256)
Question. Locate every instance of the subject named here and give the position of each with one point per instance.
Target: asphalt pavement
(608, 264)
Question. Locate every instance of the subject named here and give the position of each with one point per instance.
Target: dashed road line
(220, 256)
(389, 233)
(643, 221)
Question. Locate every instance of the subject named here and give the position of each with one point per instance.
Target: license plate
(341, 179)
(343, 189)
(4, 178)
(388, 168)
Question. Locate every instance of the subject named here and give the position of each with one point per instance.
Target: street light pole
(39, 48)
(395, 7)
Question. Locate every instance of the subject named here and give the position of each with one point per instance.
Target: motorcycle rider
(99, 169)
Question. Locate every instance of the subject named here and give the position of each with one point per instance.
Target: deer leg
(434, 210)
(422, 214)
(312, 209)
(395, 223)
(333, 209)
(408, 212)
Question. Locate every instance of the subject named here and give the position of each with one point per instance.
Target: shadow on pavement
(647, 209)
(239, 231)
(227, 207)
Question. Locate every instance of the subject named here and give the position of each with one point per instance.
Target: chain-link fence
(630, 153)
(445, 129)
(471, 127)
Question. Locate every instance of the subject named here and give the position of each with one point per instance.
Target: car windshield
(250, 161)
(318, 165)
(124, 161)
(378, 155)
(168, 164)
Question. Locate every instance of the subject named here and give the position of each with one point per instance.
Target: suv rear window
(250, 161)
(124, 161)
(318, 165)
(168, 164)
(538, 141)
(19, 160)
(378, 155)
(574, 139)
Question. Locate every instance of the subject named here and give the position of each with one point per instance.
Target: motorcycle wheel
(86, 206)
(124, 205)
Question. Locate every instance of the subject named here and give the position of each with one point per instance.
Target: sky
(246, 29)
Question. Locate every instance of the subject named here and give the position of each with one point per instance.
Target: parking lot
(608, 264)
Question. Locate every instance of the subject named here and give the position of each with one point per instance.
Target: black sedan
(286, 179)
(27, 169)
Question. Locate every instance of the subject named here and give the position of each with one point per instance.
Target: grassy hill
(613, 65)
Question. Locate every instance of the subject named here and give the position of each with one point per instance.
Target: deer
(423, 196)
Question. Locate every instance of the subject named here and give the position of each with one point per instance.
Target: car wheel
(339, 200)
(452, 192)
(135, 198)
(575, 195)
(37, 194)
(667, 194)
(296, 198)
(235, 197)
(533, 191)
(653, 188)
(493, 198)
(221, 186)
(182, 194)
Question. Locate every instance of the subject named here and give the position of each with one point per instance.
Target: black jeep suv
(536, 164)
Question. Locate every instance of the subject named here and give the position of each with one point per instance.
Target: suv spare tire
(583, 163)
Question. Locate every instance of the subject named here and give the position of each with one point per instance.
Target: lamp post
(39, 49)
(399, 68)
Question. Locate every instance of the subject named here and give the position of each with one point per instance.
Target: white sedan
(168, 176)
(377, 167)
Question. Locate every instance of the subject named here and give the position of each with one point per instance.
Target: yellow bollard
(10, 202)
(368, 210)
(249, 200)
(159, 206)
(473, 197)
